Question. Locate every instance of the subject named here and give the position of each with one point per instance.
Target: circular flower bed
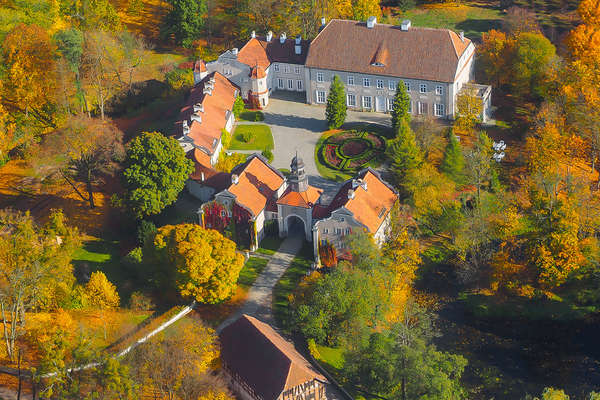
(351, 150)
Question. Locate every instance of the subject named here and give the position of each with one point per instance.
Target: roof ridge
(453, 45)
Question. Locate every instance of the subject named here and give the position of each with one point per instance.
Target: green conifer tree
(401, 106)
(405, 156)
(453, 164)
(336, 104)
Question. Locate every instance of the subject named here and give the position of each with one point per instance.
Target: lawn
(473, 20)
(331, 357)
(289, 281)
(269, 245)
(252, 116)
(261, 138)
(251, 270)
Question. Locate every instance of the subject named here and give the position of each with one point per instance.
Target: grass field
(262, 138)
(289, 281)
(332, 357)
(473, 20)
(269, 245)
(251, 270)
(252, 116)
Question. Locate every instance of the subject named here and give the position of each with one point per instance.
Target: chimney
(298, 39)
(234, 51)
(197, 118)
(253, 34)
(371, 22)
(186, 127)
(363, 183)
(323, 22)
(462, 36)
(350, 194)
(235, 179)
(405, 25)
(198, 107)
(282, 38)
(269, 36)
(207, 90)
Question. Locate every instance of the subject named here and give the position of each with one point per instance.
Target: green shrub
(145, 231)
(312, 348)
(238, 107)
(268, 154)
(133, 257)
(225, 138)
(259, 116)
(247, 136)
(179, 79)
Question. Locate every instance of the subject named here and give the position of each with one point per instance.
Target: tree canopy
(155, 171)
(335, 111)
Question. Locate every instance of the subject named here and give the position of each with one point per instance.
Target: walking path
(260, 295)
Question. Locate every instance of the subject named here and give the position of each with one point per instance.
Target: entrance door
(380, 104)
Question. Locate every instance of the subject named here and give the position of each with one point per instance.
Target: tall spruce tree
(336, 104)
(453, 164)
(401, 106)
(404, 155)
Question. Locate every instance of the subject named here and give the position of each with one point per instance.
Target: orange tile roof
(202, 158)
(266, 362)
(257, 183)
(208, 132)
(370, 207)
(253, 53)
(305, 199)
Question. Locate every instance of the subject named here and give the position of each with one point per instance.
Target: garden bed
(349, 151)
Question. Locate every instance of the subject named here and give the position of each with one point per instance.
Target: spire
(298, 180)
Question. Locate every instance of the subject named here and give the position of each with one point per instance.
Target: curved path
(260, 296)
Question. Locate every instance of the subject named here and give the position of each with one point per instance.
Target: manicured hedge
(334, 157)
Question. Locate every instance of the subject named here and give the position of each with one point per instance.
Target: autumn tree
(202, 264)
(180, 365)
(155, 171)
(35, 268)
(532, 55)
(90, 15)
(28, 93)
(468, 111)
(479, 167)
(493, 56)
(429, 136)
(100, 292)
(85, 150)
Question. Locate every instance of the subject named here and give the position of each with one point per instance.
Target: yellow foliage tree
(204, 263)
(101, 293)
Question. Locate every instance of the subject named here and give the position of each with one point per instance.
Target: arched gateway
(295, 207)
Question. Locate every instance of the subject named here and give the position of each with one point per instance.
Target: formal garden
(339, 154)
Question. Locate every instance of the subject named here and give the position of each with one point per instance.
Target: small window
(347, 231)
(297, 70)
(338, 231)
(367, 101)
(390, 103)
(392, 85)
(320, 96)
(351, 100)
(439, 110)
(342, 219)
(279, 83)
(290, 84)
(319, 77)
(223, 213)
(422, 108)
(379, 83)
(366, 82)
(407, 85)
(422, 88)
(276, 67)
(350, 80)
(439, 89)
(410, 103)
(299, 85)
(287, 69)
(323, 242)
(325, 231)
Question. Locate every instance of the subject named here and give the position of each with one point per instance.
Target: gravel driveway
(297, 126)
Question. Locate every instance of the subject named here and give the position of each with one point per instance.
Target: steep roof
(305, 199)
(214, 117)
(262, 53)
(419, 53)
(264, 360)
(258, 72)
(369, 206)
(257, 183)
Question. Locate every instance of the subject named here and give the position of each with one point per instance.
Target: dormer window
(378, 64)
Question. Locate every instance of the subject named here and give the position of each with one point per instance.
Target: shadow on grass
(474, 27)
